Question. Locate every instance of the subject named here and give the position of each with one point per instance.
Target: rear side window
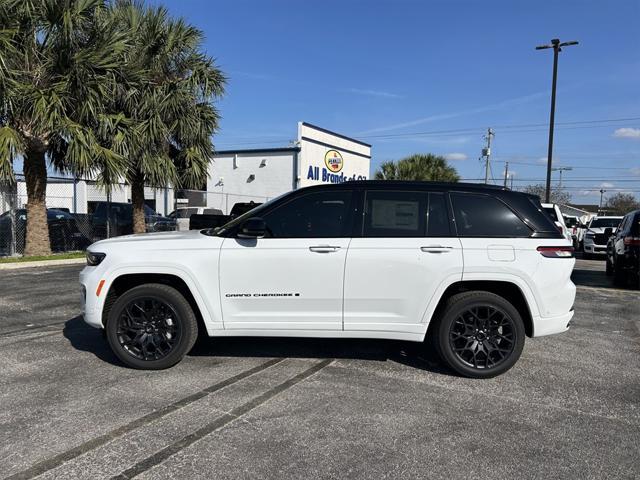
(486, 216)
(405, 214)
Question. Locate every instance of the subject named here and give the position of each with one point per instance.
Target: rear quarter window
(486, 216)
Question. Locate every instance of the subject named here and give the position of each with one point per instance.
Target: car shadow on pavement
(88, 339)
(410, 354)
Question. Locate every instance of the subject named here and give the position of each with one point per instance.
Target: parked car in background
(182, 215)
(198, 221)
(472, 268)
(623, 251)
(553, 210)
(112, 219)
(241, 208)
(595, 239)
(64, 234)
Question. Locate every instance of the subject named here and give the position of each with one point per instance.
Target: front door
(405, 256)
(292, 279)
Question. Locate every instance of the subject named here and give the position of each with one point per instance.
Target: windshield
(219, 231)
(605, 222)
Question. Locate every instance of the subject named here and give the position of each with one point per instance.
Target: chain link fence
(79, 212)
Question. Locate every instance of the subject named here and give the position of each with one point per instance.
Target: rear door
(405, 253)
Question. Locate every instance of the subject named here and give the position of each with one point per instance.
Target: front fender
(207, 301)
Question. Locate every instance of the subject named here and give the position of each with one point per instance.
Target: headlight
(94, 258)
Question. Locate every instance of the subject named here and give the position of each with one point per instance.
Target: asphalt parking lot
(291, 408)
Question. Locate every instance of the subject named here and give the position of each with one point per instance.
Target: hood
(157, 240)
(598, 230)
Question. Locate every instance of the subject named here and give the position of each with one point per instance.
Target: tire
(619, 275)
(151, 327)
(454, 332)
(608, 267)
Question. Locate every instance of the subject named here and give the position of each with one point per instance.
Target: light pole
(600, 207)
(561, 169)
(557, 48)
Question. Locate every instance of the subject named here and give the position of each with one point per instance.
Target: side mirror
(254, 227)
(608, 231)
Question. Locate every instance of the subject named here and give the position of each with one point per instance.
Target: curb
(41, 263)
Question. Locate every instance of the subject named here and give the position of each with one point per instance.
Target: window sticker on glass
(394, 214)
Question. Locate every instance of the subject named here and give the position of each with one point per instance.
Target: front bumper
(90, 303)
(594, 248)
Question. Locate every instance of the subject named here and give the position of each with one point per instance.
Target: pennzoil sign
(333, 160)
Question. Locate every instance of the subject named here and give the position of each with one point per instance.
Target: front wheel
(479, 334)
(151, 327)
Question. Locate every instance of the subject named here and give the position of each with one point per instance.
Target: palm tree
(426, 167)
(167, 101)
(59, 61)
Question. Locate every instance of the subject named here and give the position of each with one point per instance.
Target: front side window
(486, 216)
(315, 215)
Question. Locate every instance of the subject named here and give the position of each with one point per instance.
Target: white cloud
(374, 93)
(635, 171)
(511, 102)
(627, 133)
(607, 185)
(455, 156)
(542, 161)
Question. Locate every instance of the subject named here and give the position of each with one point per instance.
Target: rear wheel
(609, 267)
(619, 275)
(479, 334)
(151, 327)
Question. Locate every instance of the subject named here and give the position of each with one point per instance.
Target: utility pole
(561, 169)
(557, 48)
(600, 207)
(486, 152)
(506, 174)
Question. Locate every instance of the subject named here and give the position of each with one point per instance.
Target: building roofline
(256, 150)
(339, 135)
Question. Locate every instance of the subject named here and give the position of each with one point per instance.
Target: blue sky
(380, 69)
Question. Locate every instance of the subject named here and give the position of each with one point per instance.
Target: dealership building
(318, 156)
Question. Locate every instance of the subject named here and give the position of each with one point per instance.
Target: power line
(512, 126)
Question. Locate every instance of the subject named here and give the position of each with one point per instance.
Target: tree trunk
(35, 174)
(137, 198)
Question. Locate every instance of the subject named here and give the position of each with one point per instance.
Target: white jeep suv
(473, 268)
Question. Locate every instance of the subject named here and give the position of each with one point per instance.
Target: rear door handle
(436, 249)
(324, 248)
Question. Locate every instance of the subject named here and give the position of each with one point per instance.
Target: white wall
(316, 142)
(229, 177)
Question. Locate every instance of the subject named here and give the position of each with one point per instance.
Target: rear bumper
(543, 326)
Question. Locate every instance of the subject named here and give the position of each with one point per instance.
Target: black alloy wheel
(479, 334)
(148, 328)
(482, 337)
(151, 327)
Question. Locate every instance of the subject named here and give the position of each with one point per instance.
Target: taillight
(632, 241)
(556, 252)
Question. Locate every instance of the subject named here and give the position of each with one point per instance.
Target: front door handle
(436, 249)
(324, 248)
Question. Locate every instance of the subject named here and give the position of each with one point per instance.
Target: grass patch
(38, 258)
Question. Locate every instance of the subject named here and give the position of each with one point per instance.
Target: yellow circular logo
(333, 161)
